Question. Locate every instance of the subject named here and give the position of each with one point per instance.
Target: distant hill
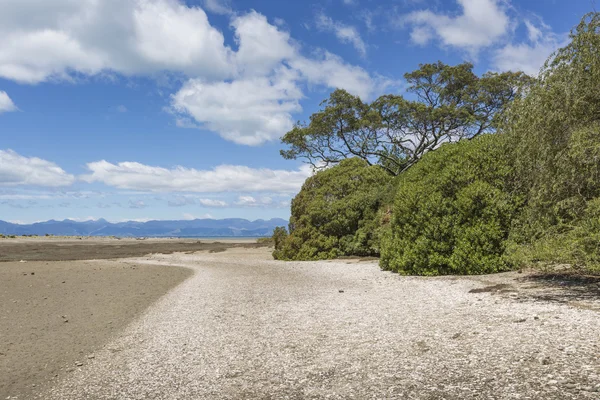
(230, 227)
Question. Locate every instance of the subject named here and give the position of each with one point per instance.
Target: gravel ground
(244, 326)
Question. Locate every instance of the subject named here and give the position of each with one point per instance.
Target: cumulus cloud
(529, 56)
(50, 39)
(191, 217)
(258, 105)
(6, 103)
(345, 33)
(480, 24)
(262, 77)
(247, 111)
(224, 178)
(222, 7)
(16, 169)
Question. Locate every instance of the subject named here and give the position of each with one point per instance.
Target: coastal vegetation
(466, 175)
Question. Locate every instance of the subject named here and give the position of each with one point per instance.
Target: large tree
(445, 104)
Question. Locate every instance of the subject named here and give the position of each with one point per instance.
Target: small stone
(570, 386)
(536, 317)
(91, 356)
(340, 291)
(546, 361)
(33, 273)
(79, 364)
(456, 335)
(521, 320)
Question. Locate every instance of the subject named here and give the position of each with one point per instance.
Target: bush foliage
(335, 213)
(555, 131)
(452, 214)
(527, 194)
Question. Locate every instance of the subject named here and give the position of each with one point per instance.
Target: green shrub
(336, 213)
(452, 213)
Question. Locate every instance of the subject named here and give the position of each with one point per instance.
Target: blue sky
(165, 109)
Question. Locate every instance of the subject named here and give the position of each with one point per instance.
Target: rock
(546, 361)
(536, 317)
(570, 386)
(79, 364)
(340, 291)
(521, 320)
(456, 335)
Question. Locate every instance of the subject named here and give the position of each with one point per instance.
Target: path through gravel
(246, 327)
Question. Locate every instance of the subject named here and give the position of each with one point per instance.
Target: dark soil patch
(107, 249)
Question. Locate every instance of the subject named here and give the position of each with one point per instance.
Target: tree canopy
(448, 103)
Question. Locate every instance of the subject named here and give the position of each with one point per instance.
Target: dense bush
(336, 213)
(452, 213)
(527, 195)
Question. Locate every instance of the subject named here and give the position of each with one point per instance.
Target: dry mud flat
(54, 314)
(244, 326)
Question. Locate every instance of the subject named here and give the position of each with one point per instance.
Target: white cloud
(19, 170)
(6, 104)
(345, 33)
(252, 91)
(122, 109)
(259, 105)
(265, 201)
(224, 178)
(249, 201)
(530, 55)
(248, 111)
(212, 203)
(191, 217)
(331, 71)
(481, 24)
(42, 39)
(262, 46)
(222, 7)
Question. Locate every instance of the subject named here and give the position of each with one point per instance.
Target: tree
(450, 103)
(336, 213)
(555, 137)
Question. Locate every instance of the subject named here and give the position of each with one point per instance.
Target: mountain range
(230, 227)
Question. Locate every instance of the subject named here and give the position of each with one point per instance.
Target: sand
(235, 324)
(247, 327)
(54, 314)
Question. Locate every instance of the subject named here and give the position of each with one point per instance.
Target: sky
(173, 109)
